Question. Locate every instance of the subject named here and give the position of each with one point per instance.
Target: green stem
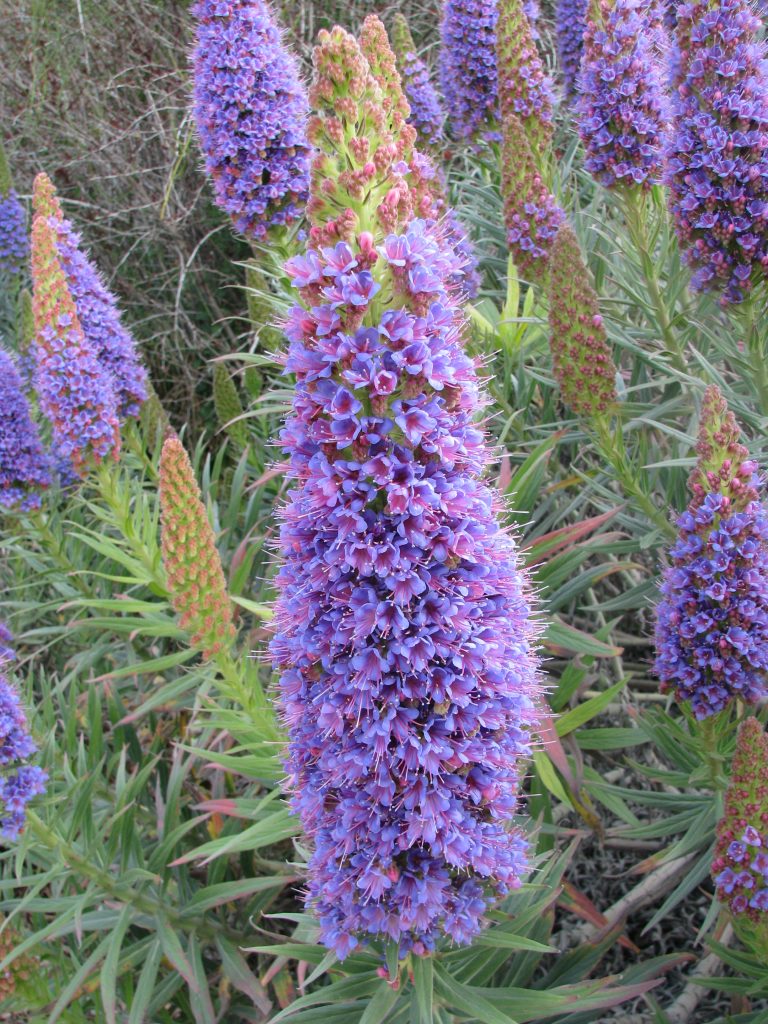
(634, 212)
(708, 732)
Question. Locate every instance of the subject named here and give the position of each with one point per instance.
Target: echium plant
(19, 780)
(468, 68)
(621, 105)
(712, 620)
(14, 243)
(532, 215)
(24, 466)
(190, 558)
(582, 362)
(96, 307)
(717, 153)
(427, 115)
(570, 22)
(524, 89)
(740, 866)
(405, 644)
(74, 391)
(250, 107)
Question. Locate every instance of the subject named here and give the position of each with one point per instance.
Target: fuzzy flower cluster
(99, 317)
(74, 391)
(24, 468)
(621, 96)
(740, 865)
(251, 108)
(190, 558)
(532, 216)
(570, 23)
(524, 89)
(19, 782)
(404, 640)
(427, 115)
(14, 244)
(712, 621)
(717, 152)
(468, 68)
(582, 362)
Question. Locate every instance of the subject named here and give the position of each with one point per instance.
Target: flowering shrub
(433, 669)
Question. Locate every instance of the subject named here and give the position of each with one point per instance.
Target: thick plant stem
(635, 210)
(707, 730)
(611, 446)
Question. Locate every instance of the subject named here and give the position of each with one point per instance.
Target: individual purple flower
(621, 108)
(19, 781)
(717, 150)
(14, 243)
(468, 68)
(570, 22)
(251, 108)
(405, 645)
(712, 621)
(24, 467)
(427, 115)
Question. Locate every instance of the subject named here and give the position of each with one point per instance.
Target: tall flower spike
(427, 115)
(229, 409)
(74, 391)
(19, 781)
(621, 106)
(712, 620)
(251, 109)
(532, 11)
(190, 558)
(404, 642)
(427, 185)
(96, 307)
(740, 865)
(531, 213)
(570, 22)
(717, 151)
(582, 362)
(524, 90)
(14, 244)
(24, 469)
(468, 68)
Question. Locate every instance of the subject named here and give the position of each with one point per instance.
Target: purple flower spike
(468, 68)
(19, 782)
(717, 154)
(24, 468)
(405, 643)
(427, 115)
(14, 242)
(621, 97)
(712, 621)
(570, 22)
(99, 317)
(251, 109)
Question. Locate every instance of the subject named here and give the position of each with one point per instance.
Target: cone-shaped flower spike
(524, 89)
(24, 468)
(570, 22)
(468, 68)
(14, 243)
(427, 115)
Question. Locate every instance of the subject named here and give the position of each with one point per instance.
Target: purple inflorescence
(717, 153)
(532, 11)
(468, 68)
(621, 97)
(570, 22)
(18, 782)
(742, 881)
(14, 243)
(408, 674)
(712, 627)
(24, 468)
(427, 114)
(251, 109)
(99, 318)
